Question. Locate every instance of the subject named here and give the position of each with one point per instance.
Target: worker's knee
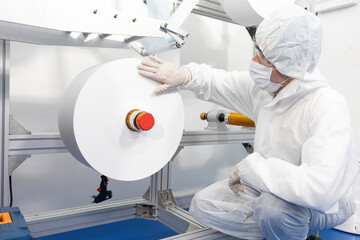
(196, 202)
(268, 209)
(276, 216)
(198, 197)
(320, 221)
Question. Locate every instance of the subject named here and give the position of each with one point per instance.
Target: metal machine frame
(159, 203)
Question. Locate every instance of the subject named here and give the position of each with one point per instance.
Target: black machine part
(314, 236)
(252, 30)
(104, 194)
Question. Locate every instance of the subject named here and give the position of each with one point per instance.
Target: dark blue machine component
(13, 225)
(104, 194)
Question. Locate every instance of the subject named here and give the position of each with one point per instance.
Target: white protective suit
(303, 145)
(303, 149)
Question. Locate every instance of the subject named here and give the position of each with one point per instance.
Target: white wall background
(39, 75)
(339, 61)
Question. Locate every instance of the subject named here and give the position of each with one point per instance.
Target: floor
(136, 229)
(333, 234)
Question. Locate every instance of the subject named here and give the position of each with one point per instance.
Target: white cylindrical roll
(251, 12)
(92, 121)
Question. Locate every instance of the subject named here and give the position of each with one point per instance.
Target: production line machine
(158, 203)
(47, 26)
(139, 119)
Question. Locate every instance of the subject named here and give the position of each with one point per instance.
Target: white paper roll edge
(66, 113)
(251, 12)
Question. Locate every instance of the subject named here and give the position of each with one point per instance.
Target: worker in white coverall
(304, 162)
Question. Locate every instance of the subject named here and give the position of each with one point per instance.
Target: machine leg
(4, 120)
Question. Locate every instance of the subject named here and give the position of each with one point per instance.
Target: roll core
(137, 120)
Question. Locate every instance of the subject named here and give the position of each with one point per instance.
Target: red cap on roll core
(145, 122)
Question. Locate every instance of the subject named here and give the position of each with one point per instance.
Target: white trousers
(255, 215)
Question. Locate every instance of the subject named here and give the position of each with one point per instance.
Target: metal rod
(168, 175)
(131, 39)
(46, 143)
(4, 119)
(47, 223)
(154, 185)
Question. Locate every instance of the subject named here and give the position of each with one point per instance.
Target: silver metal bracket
(146, 211)
(214, 122)
(16, 161)
(177, 34)
(176, 152)
(15, 128)
(167, 199)
(147, 194)
(217, 126)
(248, 147)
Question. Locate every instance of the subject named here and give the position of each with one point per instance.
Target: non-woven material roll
(251, 12)
(92, 121)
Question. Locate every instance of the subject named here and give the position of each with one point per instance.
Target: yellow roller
(232, 118)
(203, 116)
(238, 119)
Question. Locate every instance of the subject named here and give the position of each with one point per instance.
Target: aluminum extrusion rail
(63, 220)
(209, 137)
(47, 223)
(201, 234)
(4, 120)
(177, 219)
(47, 143)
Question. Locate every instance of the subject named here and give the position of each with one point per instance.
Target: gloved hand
(164, 72)
(234, 180)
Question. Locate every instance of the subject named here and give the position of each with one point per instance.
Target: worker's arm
(328, 162)
(234, 90)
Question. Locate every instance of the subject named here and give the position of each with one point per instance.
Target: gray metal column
(154, 187)
(4, 120)
(161, 180)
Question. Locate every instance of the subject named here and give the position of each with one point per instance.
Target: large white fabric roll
(251, 12)
(93, 128)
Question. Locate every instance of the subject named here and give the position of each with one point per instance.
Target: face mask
(261, 75)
